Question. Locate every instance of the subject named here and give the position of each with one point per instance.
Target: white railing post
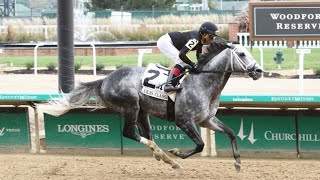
(141, 52)
(240, 38)
(35, 58)
(301, 68)
(94, 58)
(246, 40)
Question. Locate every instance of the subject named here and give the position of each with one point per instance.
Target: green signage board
(309, 130)
(166, 135)
(83, 129)
(258, 130)
(14, 127)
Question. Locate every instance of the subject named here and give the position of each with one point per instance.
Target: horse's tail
(75, 99)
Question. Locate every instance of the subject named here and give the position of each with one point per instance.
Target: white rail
(244, 39)
(35, 54)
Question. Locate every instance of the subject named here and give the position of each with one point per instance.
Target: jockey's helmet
(209, 28)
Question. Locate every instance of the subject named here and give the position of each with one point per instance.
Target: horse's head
(242, 61)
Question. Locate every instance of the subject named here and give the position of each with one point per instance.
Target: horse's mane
(213, 49)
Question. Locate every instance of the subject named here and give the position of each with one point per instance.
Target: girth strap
(171, 110)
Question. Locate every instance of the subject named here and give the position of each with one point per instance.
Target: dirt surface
(280, 82)
(48, 83)
(36, 167)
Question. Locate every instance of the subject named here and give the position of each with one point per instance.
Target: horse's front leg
(216, 125)
(190, 129)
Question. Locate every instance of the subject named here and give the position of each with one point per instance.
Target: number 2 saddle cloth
(154, 79)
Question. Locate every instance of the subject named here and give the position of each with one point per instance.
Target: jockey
(176, 45)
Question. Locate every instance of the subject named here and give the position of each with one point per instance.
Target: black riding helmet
(209, 28)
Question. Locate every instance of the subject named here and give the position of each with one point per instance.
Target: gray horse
(196, 103)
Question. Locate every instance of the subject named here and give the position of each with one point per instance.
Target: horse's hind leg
(130, 117)
(143, 124)
(216, 125)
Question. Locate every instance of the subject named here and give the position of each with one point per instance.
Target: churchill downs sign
(284, 20)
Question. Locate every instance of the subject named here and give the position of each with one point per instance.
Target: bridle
(235, 58)
(243, 65)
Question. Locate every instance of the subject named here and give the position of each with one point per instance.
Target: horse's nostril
(258, 70)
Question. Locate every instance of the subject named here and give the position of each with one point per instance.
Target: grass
(128, 60)
(291, 59)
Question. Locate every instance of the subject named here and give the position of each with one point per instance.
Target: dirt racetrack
(36, 167)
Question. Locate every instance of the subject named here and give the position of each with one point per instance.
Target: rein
(234, 57)
(219, 71)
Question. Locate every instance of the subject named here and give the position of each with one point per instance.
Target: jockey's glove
(195, 69)
(187, 66)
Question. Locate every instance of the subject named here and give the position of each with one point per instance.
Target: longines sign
(284, 20)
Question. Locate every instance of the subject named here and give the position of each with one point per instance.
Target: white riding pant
(166, 46)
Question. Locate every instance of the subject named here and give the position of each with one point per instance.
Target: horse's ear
(231, 44)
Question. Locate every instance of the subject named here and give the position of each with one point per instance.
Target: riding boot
(172, 80)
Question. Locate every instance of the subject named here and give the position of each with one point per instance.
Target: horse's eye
(242, 54)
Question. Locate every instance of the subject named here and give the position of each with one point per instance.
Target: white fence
(244, 39)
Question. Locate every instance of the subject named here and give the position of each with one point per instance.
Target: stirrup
(170, 87)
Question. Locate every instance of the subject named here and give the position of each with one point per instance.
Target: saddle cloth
(154, 78)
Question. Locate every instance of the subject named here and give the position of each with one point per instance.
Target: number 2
(191, 43)
(155, 74)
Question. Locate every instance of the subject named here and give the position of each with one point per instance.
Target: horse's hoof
(158, 158)
(177, 166)
(157, 155)
(175, 151)
(237, 166)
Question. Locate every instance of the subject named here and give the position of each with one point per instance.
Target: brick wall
(233, 30)
(100, 51)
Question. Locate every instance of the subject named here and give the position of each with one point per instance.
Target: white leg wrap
(144, 140)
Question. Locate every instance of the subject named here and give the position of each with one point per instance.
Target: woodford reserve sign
(284, 20)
